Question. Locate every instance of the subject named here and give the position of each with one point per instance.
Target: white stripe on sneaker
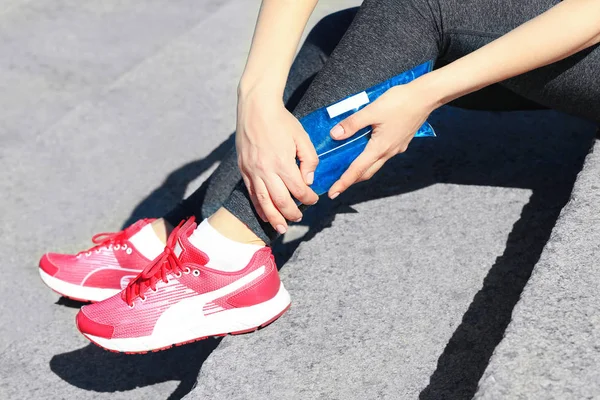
(228, 321)
(77, 292)
(179, 314)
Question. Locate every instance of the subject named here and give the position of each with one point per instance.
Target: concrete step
(441, 245)
(56, 155)
(551, 349)
(441, 242)
(55, 54)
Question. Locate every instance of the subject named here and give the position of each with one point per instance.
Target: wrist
(433, 89)
(264, 87)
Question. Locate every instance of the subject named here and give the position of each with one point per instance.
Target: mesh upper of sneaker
(103, 266)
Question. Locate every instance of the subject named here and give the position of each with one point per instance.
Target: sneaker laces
(109, 239)
(158, 270)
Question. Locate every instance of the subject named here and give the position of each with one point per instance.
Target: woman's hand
(268, 140)
(394, 117)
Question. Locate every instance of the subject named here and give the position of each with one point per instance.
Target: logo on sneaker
(206, 301)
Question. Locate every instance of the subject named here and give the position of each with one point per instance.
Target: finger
(252, 194)
(307, 156)
(272, 215)
(353, 123)
(356, 170)
(282, 200)
(296, 186)
(372, 170)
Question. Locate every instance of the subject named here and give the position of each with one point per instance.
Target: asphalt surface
(402, 288)
(552, 346)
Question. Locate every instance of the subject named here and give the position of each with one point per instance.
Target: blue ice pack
(335, 156)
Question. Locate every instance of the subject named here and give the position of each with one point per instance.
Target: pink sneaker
(178, 300)
(97, 273)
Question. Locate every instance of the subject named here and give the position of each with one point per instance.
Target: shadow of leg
(172, 189)
(466, 355)
(92, 368)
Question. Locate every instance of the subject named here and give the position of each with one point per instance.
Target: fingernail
(298, 220)
(281, 229)
(310, 177)
(333, 196)
(337, 131)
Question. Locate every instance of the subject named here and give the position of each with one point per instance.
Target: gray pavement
(552, 346)
(114, 110)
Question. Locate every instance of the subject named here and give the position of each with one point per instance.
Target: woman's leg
(313, 54)
(391, 36)
(570, 85)
(386, 37)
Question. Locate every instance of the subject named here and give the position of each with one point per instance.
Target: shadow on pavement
(172, 190)
(92, 368)
(69, 303)
(538, 151)
(467, 354)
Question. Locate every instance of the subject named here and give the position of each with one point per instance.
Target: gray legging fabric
(354, 49)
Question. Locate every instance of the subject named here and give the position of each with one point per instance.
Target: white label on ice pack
(349, 104)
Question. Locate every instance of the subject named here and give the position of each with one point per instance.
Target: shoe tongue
(186, 251)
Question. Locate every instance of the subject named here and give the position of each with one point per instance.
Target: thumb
(352, 124)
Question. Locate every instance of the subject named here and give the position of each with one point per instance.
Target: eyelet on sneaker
(132, 305)
(196, 272)
(117, 247)
(177, 275)
(142, 299)
(98, 251)
(124, 247)
(187, 270)
(154, 290)
(89, 253)
(128, 251)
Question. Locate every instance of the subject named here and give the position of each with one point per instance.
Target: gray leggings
(354, 49)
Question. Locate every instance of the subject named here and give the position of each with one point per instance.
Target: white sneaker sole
(76, 292)
(234, 321)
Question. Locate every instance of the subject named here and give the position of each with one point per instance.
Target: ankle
(224, 254)
(232, 228)
(162, 229)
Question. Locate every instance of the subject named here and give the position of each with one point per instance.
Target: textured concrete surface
(114, 110)
(552, 346)
(56, 54)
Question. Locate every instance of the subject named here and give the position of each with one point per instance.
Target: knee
(328, 32)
